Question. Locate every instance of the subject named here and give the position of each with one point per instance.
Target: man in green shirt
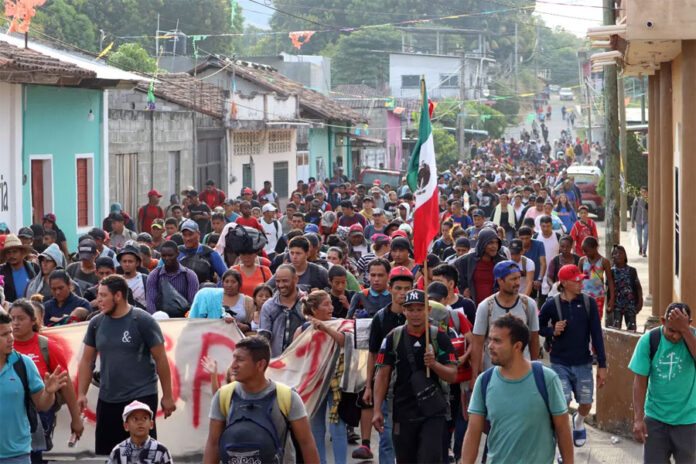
(664, 397)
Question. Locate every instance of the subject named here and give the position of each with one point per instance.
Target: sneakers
(579, 435)
(362, 452)
(353, 438)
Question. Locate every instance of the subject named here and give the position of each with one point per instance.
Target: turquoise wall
(318, 148)
(55, 122)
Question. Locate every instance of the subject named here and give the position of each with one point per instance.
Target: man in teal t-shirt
(664, 390)
(521, 430)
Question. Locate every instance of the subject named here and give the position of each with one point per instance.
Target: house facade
(657, 39)
(54, 139)
(267, 111)
(180, 142)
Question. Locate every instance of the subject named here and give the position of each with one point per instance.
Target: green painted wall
(318, 148)
(55, 122)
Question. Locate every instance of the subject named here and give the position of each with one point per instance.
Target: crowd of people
(517, 258)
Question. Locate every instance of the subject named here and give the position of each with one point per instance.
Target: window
(174, 172)
(280, 178)
(450, 81)
(246, 143)
(279, 141)
(85, 190)
(410, 81)
(246, 175)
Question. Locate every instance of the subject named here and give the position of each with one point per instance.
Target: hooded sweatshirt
(466, 264)
(38, 284)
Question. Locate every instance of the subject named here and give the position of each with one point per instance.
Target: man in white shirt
(551, 246)
(272, 228)
(129, 259)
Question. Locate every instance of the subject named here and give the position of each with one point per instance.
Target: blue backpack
(250, 434)
(539, 380)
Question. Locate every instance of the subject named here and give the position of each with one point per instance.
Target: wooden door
(37, 191)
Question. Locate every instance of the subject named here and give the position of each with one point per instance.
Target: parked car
(566, 93)
(587, 178)
(385, 176)
(554, 88)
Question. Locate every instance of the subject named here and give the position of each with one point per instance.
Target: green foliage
(558, 53)
(510, 107)
(492, 121)
(602, 186)
(355, 62)
(60, 20)
(445, 147)
(636, 167)
(133, 57)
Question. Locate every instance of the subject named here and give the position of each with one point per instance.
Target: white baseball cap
(269, 207)
(135, 406)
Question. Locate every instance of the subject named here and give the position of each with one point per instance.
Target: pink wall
(393, 138)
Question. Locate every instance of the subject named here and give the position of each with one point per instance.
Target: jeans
(576, 380)
(386, 443)
(23, 459)
(337, 431)
(642, 233)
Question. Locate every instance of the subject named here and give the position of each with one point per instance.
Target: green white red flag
(422, 179)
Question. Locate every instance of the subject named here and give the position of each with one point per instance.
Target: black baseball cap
(25, 232)
(97, 233)
(516, 246)
(415, 297)
(437, 290)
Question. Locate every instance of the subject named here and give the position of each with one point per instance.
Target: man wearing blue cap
(202, 260)
(506, 301)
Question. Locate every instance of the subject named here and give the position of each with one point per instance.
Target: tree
(445, 147)
(133, 57)
(484, 117)
(61, 21)
(356, 61)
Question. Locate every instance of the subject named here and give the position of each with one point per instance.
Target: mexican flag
(422, 179)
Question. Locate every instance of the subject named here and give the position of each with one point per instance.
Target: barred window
(279, 141)
(246, 142)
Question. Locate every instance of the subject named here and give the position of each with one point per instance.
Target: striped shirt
(184, 281)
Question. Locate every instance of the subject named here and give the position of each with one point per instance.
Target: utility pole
(461, 119)
(517, 60)
(157, 36)
(588, 90)
(611, 175)
(642, 99)
(623, 140)
(536, 62)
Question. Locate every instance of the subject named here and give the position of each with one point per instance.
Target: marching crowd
(515, 274)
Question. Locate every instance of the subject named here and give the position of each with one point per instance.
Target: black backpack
(199, 262)
(32, 414)
(243, 239)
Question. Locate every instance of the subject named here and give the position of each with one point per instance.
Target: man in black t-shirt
(386, 319)
(448, 275)
(340, 297)
(199, 212)
(417, 431)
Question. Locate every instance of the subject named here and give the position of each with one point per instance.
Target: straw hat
(12, 241)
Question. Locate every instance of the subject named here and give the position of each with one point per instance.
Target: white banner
(306, 366)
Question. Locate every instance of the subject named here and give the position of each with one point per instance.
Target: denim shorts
(577, 381)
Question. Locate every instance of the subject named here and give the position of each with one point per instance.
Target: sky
(573, 15)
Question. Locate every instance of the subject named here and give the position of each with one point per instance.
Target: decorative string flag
(391, 101)
(299, 38)
(233, 13)
(106, 50)
(21, 12)
(194, 39)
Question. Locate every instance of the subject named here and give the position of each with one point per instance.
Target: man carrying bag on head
(420, 400)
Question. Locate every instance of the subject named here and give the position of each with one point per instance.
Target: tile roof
(24, 65)
(184, 90)
(316, 103)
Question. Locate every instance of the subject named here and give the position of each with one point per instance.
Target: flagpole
(425, 262)
(427, 312)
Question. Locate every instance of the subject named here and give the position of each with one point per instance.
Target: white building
(443, 75)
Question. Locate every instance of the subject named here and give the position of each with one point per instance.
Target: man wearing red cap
(149, 212)
(574, 320)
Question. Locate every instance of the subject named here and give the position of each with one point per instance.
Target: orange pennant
(299, 38)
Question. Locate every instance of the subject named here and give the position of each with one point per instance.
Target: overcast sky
(573, 15)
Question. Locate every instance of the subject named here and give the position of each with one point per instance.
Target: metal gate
(210, 162)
